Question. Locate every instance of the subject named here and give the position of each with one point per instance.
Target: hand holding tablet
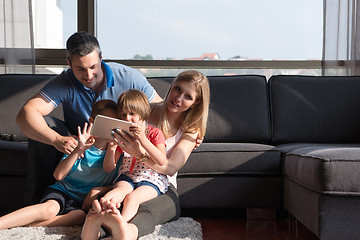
(103, 126)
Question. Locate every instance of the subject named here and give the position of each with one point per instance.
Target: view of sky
(251, 29)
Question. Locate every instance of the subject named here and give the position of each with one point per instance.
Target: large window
(166, 37)
(210, 30)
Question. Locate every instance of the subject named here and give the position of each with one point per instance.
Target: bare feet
(97, 206)
(120, 229)
(104, 204)
(109, 216)
(91, 227)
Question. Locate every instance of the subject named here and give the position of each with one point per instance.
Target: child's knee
(50, 208)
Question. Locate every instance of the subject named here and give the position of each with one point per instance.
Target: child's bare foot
(108, 204)
(104, 204)
(112, 207)
(91, 227)
(120, 229)
(96, 205)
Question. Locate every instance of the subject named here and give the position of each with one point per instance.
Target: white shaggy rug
(184, 228)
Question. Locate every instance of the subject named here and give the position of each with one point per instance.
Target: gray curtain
(17, 54)
(341, 46)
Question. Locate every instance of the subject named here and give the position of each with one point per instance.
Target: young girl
(182, 117)
(137, 183)
(76, 175)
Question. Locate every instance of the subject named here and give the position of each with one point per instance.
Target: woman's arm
(178, 157)
(173, 164)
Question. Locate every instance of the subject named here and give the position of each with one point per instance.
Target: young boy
(76, 175)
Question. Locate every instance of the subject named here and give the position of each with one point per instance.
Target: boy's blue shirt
(86, 173)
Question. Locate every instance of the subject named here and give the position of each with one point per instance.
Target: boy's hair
(195, 118)
(136, 101)
(100, 106)
(81, 43)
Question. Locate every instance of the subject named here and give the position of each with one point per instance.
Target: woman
(182, 117)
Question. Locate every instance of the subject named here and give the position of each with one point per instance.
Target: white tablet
(103, 126)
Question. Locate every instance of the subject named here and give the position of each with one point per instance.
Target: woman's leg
(162, 209)
(135, 198)
(30, 214)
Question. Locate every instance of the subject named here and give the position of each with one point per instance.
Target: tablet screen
(103, 126)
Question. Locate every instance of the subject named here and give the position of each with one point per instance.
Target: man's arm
(31, 121)
(157, 98)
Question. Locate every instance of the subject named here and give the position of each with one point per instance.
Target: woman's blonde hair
(195, 118)
(136, 101)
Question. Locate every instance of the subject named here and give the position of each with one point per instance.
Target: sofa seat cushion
(325, 168)
(233, 159)
(231, 175)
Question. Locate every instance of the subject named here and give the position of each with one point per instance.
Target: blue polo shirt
(77, 100)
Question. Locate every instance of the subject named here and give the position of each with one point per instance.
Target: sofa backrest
(161, 84)
(315, 109)
(15, 90)
(239, 108)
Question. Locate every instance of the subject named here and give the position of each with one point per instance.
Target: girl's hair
(195, 118)
(136, 101)
(101, 105)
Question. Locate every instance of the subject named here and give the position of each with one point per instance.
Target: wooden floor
(235, 225)
(241, 229)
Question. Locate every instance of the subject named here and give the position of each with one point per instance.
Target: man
(86, 81)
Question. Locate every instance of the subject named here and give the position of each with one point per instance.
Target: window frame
(87, 22)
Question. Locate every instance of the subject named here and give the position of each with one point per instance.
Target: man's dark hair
(81, 43)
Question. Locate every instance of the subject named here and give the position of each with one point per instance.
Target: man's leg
(42, 161)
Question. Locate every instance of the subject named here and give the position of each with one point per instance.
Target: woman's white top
(171, 143)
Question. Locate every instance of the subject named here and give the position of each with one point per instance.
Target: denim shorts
(124, 177)
(67, 203)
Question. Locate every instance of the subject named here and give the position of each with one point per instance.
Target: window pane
(152, 72)
(54, 21)
(217, 29)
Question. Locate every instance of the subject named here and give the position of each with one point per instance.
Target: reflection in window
(54, 21)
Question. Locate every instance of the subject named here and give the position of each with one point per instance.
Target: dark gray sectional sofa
(288, 142)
